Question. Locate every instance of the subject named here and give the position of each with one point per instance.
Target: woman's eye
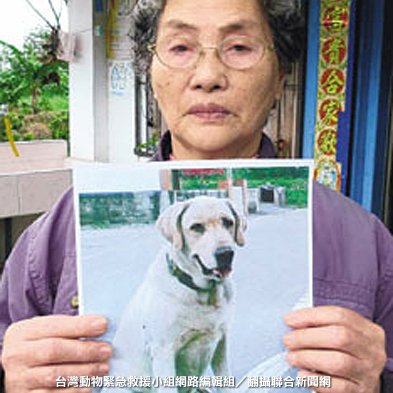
(179, 49)
(198, 228)
(240, 49)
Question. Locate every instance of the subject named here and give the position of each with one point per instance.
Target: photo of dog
(194, 269)
(176, 324)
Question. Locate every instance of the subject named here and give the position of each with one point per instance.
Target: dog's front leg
(219, 361)
(220, 364)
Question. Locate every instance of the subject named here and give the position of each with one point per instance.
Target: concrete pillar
(83, 106)
(102, 112)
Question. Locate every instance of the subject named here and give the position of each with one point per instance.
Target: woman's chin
(212, 141)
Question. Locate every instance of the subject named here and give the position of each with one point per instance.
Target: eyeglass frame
(152, 48)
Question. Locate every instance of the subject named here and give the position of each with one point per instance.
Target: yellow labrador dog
(176, 324)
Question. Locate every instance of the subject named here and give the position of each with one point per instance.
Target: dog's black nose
(224, 256)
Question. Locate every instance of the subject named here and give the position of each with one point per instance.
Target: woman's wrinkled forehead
(222, 16)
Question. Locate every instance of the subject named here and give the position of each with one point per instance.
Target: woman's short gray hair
(285, 19)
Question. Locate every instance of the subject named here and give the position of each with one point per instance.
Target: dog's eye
(227, 223)
(199, 228)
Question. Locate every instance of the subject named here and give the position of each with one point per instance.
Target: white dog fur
(177, 321)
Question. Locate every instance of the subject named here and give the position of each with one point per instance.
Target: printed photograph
(195, 266)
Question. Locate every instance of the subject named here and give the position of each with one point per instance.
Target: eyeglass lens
(236, 52)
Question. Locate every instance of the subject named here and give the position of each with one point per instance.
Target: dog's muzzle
(224, 257)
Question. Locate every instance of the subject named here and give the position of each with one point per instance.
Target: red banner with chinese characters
(332, 81)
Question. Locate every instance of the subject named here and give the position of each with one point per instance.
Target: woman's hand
(39, 350)
(337, 342)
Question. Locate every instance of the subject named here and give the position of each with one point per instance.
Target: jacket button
(74, 301)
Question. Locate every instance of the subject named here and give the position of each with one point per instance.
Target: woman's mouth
(209, 112)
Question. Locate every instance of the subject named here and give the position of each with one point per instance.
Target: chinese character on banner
(335, 17)
(334, 51)
(329, 112)
(332, 81)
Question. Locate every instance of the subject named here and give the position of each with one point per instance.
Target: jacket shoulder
(42, 260)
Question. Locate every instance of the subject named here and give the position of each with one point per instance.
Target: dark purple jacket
(353, 262)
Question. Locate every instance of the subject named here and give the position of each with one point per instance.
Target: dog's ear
(240, 224)
(169, 223)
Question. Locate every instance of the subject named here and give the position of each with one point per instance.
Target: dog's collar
(186, 280)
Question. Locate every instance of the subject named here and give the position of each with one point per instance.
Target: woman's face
(212, 110)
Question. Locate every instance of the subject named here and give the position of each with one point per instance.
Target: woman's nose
(209, 74)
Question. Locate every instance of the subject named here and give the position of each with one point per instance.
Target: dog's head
(204, 230)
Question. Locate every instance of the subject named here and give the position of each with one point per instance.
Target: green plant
(148, 148)
(24, 73)
(35, 87)
(16, 118)
(59, 125)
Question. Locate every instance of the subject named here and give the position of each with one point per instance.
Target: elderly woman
(217, 67)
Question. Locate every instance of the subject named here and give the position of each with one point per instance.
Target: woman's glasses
(235, 52)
